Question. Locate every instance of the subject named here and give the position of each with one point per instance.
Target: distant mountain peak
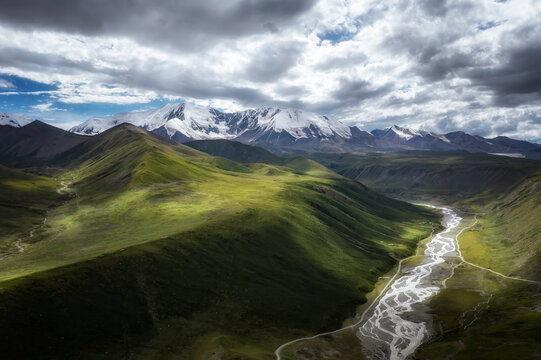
(185, 121)
(281, 128)
(399, 132)
(15, 120)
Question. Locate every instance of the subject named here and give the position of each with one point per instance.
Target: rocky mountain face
(399, 138)
(34, 143)
(270, 127)
(282, 130)
(292, 129)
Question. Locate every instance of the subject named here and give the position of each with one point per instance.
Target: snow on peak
(300, 123)
(196, 122)
(441, 137)
(15, 120)
(147, 119)
(406, 133)
(201, 122)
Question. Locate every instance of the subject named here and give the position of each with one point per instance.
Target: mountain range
(286, 130)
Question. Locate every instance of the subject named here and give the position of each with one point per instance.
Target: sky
(430, 64)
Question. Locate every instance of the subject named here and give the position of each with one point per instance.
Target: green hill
(504, 191)
(236, 151)
(24, 201)
(155, 250)
(449, 176)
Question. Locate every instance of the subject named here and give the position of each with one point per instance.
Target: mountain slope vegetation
(236, 151)
(24, 202)
(162, 251)
(481, 314)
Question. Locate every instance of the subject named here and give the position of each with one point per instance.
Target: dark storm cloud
(432, 56)
(185, 84)
(350, 93)
(443, 8)
(512, 75)
(434, 7)
(32, 61)
(287, 90)
(354, 92)
(517, 80)
(442, 66)
(273, 61)
(422, 48)
(187, 24)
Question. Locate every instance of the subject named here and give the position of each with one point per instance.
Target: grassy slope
(481, 316)
(505, 192)
(447, 176)
(508, 235)
(236, 151)
(165, 252)
(24, 201)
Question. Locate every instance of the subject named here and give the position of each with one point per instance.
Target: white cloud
(46, 107)
(5, 84)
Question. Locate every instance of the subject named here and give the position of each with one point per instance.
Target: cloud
(354, 92)
(5, 84)
(439, 65)
(342, 62)
(189, 25)
(273, 61)
(46, 107)
(41, 62)
(515, 81)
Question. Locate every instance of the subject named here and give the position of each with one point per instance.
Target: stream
(398, 322)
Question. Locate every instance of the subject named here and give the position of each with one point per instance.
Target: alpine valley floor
(491, 307)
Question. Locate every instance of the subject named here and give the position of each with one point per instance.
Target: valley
(220, 249)
(395, 323)
(165, 252)
(477, 315)
(498, 198)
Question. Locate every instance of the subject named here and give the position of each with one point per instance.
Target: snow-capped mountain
(183, 122)
(192, 121)
(15, 120)
(399, 133)
(285, 129)
(406, 138)
(402, 138)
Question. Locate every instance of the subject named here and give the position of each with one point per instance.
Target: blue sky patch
(39, 101)
(489, 25)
